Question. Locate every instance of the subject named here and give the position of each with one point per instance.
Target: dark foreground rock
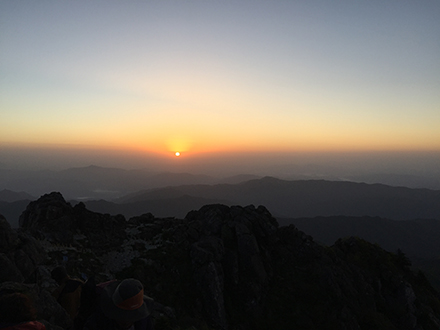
(219, 268)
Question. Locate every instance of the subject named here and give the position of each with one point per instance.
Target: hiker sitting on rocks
(122, 306)
(17, 313)
(68, 294)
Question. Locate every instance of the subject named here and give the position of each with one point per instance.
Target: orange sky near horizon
(205, 78)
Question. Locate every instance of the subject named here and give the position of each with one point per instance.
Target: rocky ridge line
(221, 268)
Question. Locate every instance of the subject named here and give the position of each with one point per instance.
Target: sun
(177, 154)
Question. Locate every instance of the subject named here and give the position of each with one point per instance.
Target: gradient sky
(221, 76)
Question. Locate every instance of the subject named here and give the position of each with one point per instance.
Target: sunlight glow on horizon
(207, 78)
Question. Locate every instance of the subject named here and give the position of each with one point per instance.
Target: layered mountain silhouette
(291, 199)
(219, 267)
(95, 182)
(419, 238)
(287, 199)
(9, 196)
(12, 204)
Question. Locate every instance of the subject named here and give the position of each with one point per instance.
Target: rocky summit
(218, 268)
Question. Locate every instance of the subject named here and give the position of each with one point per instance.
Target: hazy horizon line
(246, 162)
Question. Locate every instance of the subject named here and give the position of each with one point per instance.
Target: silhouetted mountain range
(95, 182)
(418, 238)
(397, 180)
(295, 199)
(12, 196)
(218, 268)
(177, 206)
(287, 199)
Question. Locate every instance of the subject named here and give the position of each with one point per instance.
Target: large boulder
(226, 253)
(53, 219)
(49, 217)
(8, 237)
(20, 254)
(8, 270)
(103, 231)
(8, 243)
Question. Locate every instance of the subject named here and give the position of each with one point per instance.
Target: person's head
(124, 303)
(59, 274)
(16, 307)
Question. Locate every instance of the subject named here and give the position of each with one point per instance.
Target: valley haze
(115, 175)
(101, 174)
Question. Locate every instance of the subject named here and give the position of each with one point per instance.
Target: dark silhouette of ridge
(12, 204)
(221, 267)
(310, 198)
(94, 182)
(177, 206)
(419, 238)
(10, 196)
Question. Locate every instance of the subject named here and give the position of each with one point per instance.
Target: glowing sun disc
(177, 154)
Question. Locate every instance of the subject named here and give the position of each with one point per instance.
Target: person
(122, 306)
(68, 293)
(18, 313)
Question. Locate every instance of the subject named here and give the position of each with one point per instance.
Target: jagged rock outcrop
(20, 258)
(20, 253)
(233, 268)
(227, 248)
(49, 210)
(225, 268)
(230, 256)
(52, 218)
(48, 310)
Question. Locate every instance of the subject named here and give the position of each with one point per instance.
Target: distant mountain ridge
(98, 182)
(398, 180)
(177, 206)
(95, 182)
(9, 196)
(310, 198)
(13, 203)
(286, 199)
(418, 238)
